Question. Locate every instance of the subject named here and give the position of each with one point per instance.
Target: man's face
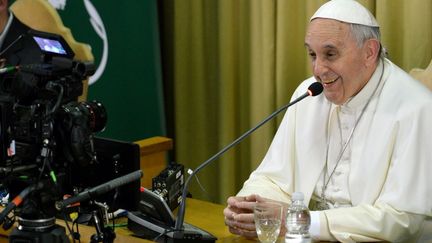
(337, 61)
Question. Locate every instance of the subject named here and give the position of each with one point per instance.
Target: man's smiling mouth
(328, 82)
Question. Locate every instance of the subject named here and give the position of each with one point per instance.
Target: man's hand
(239, 215)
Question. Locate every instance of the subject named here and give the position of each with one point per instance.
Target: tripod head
(32, 227)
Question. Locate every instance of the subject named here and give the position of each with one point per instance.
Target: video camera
(44, 129)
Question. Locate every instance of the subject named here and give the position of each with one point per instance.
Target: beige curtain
(233, 62)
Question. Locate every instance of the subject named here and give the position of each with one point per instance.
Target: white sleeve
(265, 188)
(372, 223)
(314, 229)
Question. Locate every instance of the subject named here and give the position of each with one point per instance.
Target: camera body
(43, 126)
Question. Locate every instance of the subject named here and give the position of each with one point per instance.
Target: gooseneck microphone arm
(313, 90)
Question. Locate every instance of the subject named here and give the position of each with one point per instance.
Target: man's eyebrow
(327, 46)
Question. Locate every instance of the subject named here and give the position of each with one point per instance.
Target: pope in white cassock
(361, 152)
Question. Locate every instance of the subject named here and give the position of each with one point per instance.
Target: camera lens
(97, 115)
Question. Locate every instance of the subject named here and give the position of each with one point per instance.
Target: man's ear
(372, 49)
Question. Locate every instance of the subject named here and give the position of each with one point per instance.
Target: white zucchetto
(348, 11)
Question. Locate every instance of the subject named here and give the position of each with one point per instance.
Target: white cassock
(384, 175)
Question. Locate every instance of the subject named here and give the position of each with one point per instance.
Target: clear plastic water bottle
(298, 218)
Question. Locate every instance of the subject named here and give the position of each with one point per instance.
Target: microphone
(313, 90)
(98, 190)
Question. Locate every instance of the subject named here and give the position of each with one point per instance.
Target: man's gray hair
(362, 33)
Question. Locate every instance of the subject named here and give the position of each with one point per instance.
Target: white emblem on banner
(98, 26)
(58, 4)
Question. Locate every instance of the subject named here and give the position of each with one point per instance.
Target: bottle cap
(297, 196)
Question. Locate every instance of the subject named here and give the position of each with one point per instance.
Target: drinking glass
(268, 218)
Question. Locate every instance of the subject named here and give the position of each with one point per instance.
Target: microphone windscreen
(315, 89)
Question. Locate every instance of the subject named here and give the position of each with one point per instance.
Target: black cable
(77, 230)
(71, 232)
(58, 101)
(42, 171)
(113, 221)
(166, 231)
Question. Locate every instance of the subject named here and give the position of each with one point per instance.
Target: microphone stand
(313, 90)
(103, 234)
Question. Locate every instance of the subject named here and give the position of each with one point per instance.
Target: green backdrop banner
(124, 37)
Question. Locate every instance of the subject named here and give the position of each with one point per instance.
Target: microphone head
(315, 89)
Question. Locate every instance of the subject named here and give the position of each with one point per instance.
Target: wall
(125, 42)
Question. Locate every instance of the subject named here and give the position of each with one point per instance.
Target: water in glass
(268, 217)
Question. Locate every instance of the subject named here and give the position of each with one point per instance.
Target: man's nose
(319, 68)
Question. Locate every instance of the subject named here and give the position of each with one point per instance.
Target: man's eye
(331, 54)
(312, 55)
